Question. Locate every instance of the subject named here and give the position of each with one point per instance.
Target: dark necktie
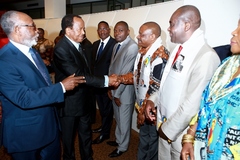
(40, 65)
(119, 45)
(177, 54)
(100, 50)
(82, 54)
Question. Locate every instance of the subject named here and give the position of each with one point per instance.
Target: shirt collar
(76, 44)
(23, 48)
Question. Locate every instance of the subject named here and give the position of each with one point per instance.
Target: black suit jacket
(223, 51)
(87, 49)
(68, 60)
(101, 65)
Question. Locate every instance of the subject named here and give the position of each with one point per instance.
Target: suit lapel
(24, 59)
(77, 54)
(121, 49)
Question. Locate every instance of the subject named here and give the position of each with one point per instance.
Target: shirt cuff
(64, 90)
(106, 81)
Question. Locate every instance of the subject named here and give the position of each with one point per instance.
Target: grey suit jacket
(123, 63)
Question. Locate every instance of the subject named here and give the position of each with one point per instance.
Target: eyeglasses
(26, 25)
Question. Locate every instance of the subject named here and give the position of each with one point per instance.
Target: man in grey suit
(123, 57)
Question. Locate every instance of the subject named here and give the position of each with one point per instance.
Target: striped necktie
(119, 45)
(40, 65)
(100, 50)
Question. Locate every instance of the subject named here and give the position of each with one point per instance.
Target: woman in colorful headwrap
(215, 132)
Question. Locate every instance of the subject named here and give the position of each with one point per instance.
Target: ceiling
(12, 1)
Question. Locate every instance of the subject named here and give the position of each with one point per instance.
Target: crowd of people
(186, 100)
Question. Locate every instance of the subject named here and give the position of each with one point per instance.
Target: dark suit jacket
(223, 51)
(29, 119)
(68, 60)
(101, 66)
(87, 49)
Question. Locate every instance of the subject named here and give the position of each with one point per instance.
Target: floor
(102, 150)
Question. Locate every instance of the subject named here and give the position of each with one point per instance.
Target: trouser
(170, 151)
(50, 151)
(106, 111)
(148, 143)
(83, 126)
(123, 117)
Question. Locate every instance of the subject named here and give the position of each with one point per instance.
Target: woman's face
(235, 40)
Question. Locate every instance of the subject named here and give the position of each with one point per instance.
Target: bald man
(146, 77)
(180, 91)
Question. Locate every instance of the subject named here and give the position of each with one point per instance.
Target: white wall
(219, 19)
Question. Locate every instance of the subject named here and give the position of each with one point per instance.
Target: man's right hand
(71, 82)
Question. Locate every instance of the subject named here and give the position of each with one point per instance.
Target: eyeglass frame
(26, 25)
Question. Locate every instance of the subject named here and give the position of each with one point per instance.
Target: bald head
(191, 14)
(148, 33)
(183, 23)
(154, 27)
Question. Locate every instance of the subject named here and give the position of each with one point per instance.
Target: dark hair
(67, 21)
(124, 23)
(104, 23)
(41, 29)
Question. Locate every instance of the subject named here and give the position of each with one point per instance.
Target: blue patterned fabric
(218, 122)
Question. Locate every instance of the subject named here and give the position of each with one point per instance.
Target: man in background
(102, 53)
(45, 48)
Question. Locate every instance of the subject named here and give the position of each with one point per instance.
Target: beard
(30, 41)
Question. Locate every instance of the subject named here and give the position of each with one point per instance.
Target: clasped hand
(113, 80)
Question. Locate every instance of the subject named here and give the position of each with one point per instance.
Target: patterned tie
(177, 54)
(119, 45)
(40, 65)
(100, 50)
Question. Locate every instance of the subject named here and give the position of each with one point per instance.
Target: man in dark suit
(30, 122)
(102, 53)
(74, 112)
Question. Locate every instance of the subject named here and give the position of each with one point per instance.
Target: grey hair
(8, 21)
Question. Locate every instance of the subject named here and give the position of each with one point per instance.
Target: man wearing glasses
(30, 124)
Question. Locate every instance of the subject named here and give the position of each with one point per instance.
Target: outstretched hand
(71, 82)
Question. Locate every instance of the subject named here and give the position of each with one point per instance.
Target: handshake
(73, 81)
(116, 80)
